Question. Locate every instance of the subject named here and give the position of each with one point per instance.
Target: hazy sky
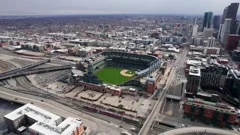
(58, 7)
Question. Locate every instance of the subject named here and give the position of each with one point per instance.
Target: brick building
(210, 112)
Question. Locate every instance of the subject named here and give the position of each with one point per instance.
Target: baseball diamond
(127, 73)
(113, 75)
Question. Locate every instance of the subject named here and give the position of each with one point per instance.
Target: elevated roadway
(34, 71)
(47, 69)
(173, 97)
(18, 70)
(147, 124)
(178, 64)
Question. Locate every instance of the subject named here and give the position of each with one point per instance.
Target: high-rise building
(170, 39)
(225, 31)
(220, 31)
(195, 30)
(216, 21)
(211, 50)
(197, 41)
(224, 16)
(236, 55)
(207, 20)
(211, 42)
(231, 12)
(233, 83)
(238, 28)
(207, 32)
(232, 42)
(194, 79)
(213, 76)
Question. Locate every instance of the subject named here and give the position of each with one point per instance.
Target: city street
(171, 107)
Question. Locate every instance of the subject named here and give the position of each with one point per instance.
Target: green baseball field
(116, 76)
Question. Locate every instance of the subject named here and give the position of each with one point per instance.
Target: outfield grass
(111, 75)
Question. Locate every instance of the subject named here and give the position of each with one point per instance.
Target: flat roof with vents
(194, 71)
(34, 113)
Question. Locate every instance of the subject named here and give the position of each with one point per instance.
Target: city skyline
(54, 7)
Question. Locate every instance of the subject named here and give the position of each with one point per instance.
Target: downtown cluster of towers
(226, 24)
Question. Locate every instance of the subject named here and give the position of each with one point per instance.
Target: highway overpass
(34, 71)
(21, 69)
(173, 97)
(152, 116)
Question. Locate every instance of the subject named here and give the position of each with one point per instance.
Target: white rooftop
(65, 128)
(194, 71)
(46, 123)
(194, 62)
(87, 49)
(33, 112)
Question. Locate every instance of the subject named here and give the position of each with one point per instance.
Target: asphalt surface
(46, 78)
(24, 86)
(22, 62)
(147, 124)
(24, 83)
(5, 66)
(2, 51)
(97, 126)
(159, 127)
(171, 107)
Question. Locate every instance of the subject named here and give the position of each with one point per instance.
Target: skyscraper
(232, 42)
(207, 20)
(207, 32)
(216, 22)
(195, 29)
(238, 28)
(231, 12)
(220, 31)
(194, 79)
(211, 42)
(225, 30)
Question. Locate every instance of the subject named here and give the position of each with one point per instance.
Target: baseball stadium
(118, 68)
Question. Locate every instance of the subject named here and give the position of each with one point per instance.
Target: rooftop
(65, 128)
(211, 105)
(194, 62)
(46, 123)
(236, 73)
(194, 71)
(33, 112)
